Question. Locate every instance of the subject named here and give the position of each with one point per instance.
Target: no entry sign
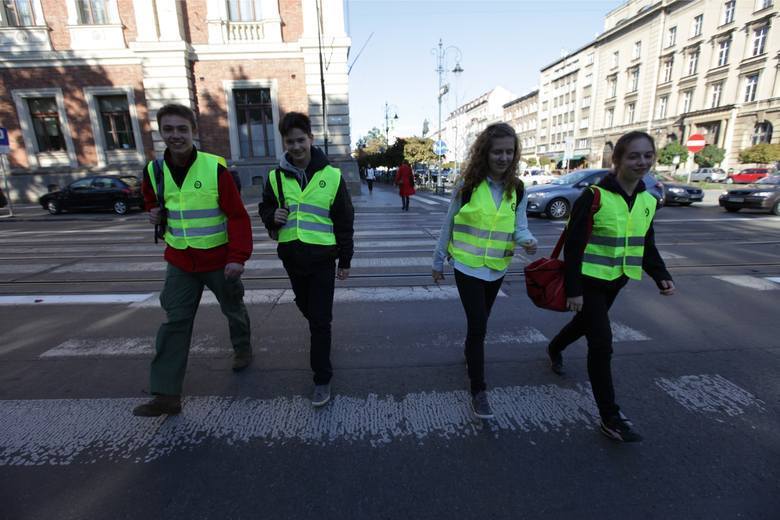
(695, 143)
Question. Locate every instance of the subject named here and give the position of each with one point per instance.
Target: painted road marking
(83, 431)
(622, 332)
(427, 201)
(666, 255)
(775, 279)
(751, 282)
(69, 299)
(107, 347)
(710, 394)
(439, 197)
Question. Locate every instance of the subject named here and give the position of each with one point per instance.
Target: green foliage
(531, 161)
(419, 150)
(760, 154)
(709, 156)
(667, 153)
(544, 161)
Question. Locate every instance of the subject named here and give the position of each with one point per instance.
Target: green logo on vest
(322, 184)
(514, 206)
(198, 185)
(647, 212)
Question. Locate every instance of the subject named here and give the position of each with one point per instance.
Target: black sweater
(299, 256)
(577, 238)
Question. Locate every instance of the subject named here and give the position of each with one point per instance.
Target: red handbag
(544, 277)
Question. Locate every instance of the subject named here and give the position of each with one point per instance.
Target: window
(589, 59)
(728, 11)
(717, 89)
(244, 10)
(671, 36)
(615, 59)
(687, 100)
(667, 69)
(637, 50)
(81, 184)
(46, 124)
(751, 85)
(693, 62)
(634, 79)
(255, 122)
(764, 4)
(582, 143)
(17, 13)
(92, 12)
(115, 119)
(698, 22)
(759, 40)
(723, 52)
(612, 86)
(762, 133)
(609, 117)
(663, 103)
(630, 112)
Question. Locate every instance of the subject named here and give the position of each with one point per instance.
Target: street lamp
(441, 59)
(389, 120)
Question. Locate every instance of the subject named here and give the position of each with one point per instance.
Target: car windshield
(774, 179)
(573, 178)
(131, 181)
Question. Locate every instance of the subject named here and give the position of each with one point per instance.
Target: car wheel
(729, 181)
(557, 208)
(120, 207)
(53, 207)
(732, 210)
(776, 208)
(708, 179)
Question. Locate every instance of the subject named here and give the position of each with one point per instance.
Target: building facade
(522, 114)
(81, 82)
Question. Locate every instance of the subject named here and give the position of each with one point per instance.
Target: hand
(342, 274)
(233, 270)
(667, 287)
(155, 216)
(574, 303)
(529, 246)
(280, 216)
(438, 276)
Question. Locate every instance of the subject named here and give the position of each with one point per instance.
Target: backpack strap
(159, 181)
(594, 207)
(279, 190)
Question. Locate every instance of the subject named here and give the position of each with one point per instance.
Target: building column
(728, 140)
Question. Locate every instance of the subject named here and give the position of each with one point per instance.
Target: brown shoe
(160, 405)
(241, 361)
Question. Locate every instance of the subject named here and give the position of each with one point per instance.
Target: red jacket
(405, 180)
(239, 228)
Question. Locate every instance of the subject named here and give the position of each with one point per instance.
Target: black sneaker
(160, 405)
(241, 361)
(618, 428)
(556, 361)
(481, 406)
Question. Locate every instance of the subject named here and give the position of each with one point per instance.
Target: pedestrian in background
(306, 201)
(209, 238)
(486, 219)
(620, 245)
(370, 177)
(404, 179)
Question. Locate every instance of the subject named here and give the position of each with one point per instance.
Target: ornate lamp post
(441, 54)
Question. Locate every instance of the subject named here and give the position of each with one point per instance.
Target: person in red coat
(404, 179)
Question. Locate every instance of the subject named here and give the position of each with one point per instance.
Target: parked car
(763, 195)
(534, 177)
(556, 199)
(708, 175)
(678, 193)
(749, 175)
(103, 192)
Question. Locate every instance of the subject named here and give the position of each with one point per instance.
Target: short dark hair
(295, 120)
(175, 109)
(620, 147)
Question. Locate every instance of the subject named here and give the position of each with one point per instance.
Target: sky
(504, 42)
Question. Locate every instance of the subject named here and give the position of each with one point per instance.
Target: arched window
(762, 133)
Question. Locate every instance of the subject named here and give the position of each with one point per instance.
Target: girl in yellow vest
(486, 219)
(598, 264)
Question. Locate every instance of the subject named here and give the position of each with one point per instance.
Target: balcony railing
(244, 31)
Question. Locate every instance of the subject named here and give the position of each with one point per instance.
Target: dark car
(749, 175)
(104, 192)
(556, 198)
(678, 193)
(763, 195)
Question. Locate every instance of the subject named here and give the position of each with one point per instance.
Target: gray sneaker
(321, 395)
(481, 406)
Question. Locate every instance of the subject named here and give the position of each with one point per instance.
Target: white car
(534, 177)
(708, 175)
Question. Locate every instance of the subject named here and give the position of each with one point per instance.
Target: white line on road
(775, 279)
(621, 332)
(426, 201)
(751, 282)
(70, 299)
(666, 255)
(710, 394)
(108, 347)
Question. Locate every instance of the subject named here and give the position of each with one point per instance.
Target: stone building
(522, 114)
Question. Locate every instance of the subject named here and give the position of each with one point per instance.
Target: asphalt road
(696, 373)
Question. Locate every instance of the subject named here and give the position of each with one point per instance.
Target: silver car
(708, 175)
(556, 199)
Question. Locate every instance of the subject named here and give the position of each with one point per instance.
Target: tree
(709, 156)
(667, 153)
(544, 161)
(531, 161)
(760, 154)
(419, 150)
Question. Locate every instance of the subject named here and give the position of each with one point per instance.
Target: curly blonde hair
(476, 169)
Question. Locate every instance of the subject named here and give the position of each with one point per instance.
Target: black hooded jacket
(299, 256)
(577, 239)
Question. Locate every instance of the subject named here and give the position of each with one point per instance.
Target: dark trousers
(477, 297)
(180, 298)
(405, 202)
(593, 323)
(314, 297)
(370, 183)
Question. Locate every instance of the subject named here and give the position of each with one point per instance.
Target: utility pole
(441, 58)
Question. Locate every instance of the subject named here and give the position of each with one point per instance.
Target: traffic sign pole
(695, 144)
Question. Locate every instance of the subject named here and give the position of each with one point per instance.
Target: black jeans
(370, 183)
(314, 297)
(593, 323)
(405, 202)
(477, 297)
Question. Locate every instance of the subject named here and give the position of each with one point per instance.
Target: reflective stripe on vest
(193, 215)
(483, 235)
(617, 243)
(309, 218)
